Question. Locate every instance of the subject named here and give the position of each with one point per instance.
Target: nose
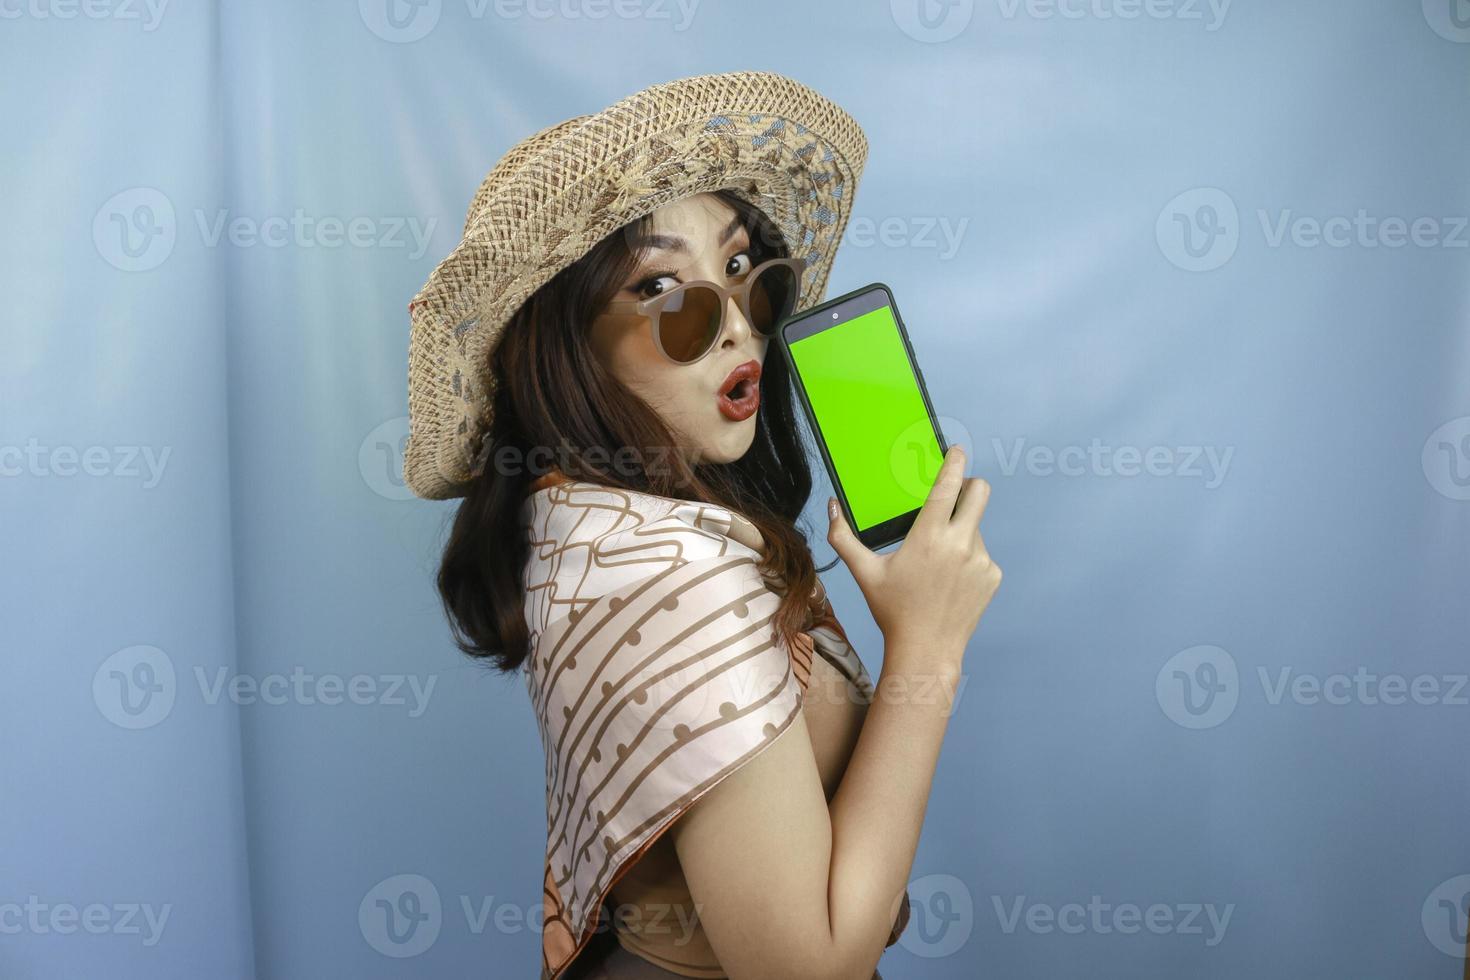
(737, 328)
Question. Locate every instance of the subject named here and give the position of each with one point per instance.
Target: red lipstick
(740, 394)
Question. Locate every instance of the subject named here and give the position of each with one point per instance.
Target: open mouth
(740, 395)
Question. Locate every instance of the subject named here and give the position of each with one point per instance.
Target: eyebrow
(677, 243)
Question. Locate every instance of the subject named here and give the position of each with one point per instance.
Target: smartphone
(868, 407)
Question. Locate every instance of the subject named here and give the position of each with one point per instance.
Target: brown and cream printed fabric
(655, 671)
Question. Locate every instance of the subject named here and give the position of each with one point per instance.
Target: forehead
(697, 216)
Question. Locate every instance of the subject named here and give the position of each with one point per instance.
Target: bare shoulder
(763, 831)
(786, 765)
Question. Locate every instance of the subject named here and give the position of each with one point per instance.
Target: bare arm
(787, 886)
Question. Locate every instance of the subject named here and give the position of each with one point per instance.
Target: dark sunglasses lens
(772, 298)
(689, 323)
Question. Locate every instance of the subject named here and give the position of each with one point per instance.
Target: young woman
(728, 793)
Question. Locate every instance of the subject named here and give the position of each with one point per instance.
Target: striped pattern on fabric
(655, 672)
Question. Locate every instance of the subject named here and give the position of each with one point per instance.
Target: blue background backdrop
(1091, 216)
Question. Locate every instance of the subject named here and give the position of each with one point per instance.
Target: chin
(734, 442)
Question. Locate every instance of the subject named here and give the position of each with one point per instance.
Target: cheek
(629, 353)
(626, 350)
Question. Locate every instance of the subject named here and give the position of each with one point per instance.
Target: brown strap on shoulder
(548, 479)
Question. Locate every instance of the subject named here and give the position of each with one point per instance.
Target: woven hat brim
(777, 143)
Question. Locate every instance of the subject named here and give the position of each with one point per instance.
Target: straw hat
(775, 142)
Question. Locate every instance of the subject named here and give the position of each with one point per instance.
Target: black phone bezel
(896, 528)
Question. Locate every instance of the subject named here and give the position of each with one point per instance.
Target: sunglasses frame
(651, 309)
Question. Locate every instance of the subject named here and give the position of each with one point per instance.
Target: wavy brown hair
(555, 394)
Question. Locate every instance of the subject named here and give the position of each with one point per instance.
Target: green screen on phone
(871, 413)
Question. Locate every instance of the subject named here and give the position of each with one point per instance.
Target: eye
(659, 282)
(740, 263)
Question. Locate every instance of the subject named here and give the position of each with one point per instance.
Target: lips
(740, 393)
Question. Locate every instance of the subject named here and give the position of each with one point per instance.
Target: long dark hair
(554, 392)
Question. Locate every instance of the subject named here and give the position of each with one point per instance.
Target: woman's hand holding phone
(927, 596)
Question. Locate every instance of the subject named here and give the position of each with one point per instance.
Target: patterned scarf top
(655, 671)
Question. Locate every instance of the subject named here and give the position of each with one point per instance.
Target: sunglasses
(687, 319)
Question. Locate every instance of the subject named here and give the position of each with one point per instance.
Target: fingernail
(832, 507)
